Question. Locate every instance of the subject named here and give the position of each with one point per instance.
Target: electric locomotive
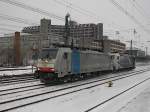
(66, 64)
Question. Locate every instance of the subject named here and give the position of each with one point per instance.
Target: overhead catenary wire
(6, 29)
(78, 9)
(143, 10)
(75, 9)
(8, 25)
(140, 10)
(43, 12)
(83, 11)
(17, 19)
(38, 10)
(116, 4)
(92, 14)
(33, 9)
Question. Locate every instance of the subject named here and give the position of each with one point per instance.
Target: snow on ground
(19, 85)
(16, 72)
(118, 103)
(28, 70)
(141, 103)
(19, 67)
(83, 100)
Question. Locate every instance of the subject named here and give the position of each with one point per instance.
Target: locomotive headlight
(46, 61)
(52, 69)
(38, 68)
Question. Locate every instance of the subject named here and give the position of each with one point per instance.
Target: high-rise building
(27, 45)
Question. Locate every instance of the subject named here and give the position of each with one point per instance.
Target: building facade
(24, 47)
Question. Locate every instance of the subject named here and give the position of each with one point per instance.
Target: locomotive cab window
(48, 53)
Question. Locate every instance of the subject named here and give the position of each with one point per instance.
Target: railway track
(40, 85)
(27, 87)
(12, 69)
(117, 95)
(12, 75)
(16, 79)
(19, 82)
(12, 102)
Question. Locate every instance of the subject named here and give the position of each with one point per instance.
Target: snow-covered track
(12, 69)
(13, 77)
(40, 85)
(28, 99)
(19, 82)
(115, 96)
(16, 79)
(21, 89)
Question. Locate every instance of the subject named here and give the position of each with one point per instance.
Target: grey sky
(100, 10)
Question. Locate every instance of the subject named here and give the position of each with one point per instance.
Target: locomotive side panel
(93, 62)
(126, 61)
